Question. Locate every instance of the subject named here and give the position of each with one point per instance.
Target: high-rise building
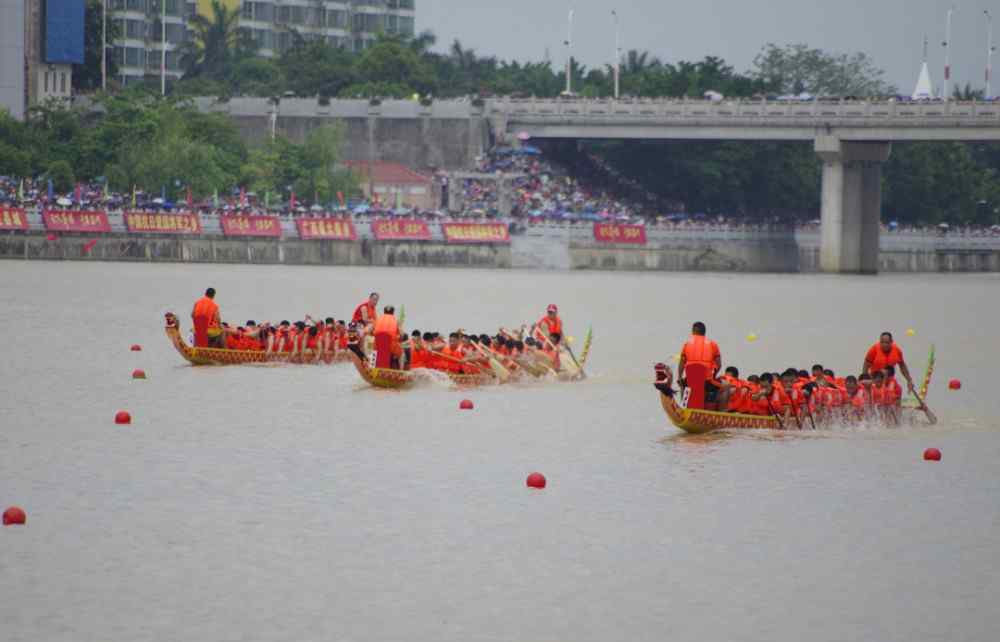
(272, 24)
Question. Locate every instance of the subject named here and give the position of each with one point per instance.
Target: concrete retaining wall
(121, 247)
(772, 255)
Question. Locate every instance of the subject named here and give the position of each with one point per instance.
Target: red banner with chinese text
(476, 232)
(243, 225)
(620, 233)
(162, 223)
(13, 219)
(327, 229)
(76, 221)
(400, 230)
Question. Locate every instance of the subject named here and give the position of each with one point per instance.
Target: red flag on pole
(190, 200)
(77, 193)
(340, 197)
(292, 201)
(243, 197)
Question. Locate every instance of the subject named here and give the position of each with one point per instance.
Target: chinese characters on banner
(620, 233)
(330, 229)
(476, 232)
(179, 223)
(75, 221)
(240, 225)
(13, 219)
(400, 230)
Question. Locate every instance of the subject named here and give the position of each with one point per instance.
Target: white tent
(924, 89)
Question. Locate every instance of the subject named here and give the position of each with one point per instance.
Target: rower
(886, 353)
(701, 361)
(387, 347)
(551, 324)
(207, 322)
(365, 313)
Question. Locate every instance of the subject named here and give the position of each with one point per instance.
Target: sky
(890, 31)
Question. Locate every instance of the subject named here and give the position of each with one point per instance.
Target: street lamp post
(104, 45)
(163, 49)
(989, 54)
(947, 55)
(618, 57)
(569, 55)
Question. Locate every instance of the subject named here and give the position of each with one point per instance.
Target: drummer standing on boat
(207, 322)
(700, 350)
(886, 353)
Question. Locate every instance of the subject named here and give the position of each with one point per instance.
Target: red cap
(552, 308)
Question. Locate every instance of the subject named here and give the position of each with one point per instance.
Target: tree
(87, 77)
(316, 68)
(61, 175)
(215, 44)
(794, 69)
(390, 61)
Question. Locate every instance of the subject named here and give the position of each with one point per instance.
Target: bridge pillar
(851, 204)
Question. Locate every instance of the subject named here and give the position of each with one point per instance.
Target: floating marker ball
(932, 454)
(122, 417)
(138, 374)
(955, 384)
(136, 347)
(536, 480)
(466, 404)
(14, 515)
(676, 357)
(910, 332)
(751, 337)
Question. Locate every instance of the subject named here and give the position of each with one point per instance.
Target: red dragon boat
(224, 357)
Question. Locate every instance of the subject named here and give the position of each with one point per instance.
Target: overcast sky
(891, 31)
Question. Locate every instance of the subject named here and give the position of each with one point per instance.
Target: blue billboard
(64, 31)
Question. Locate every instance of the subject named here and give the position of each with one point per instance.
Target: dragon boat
(224, 357)
(697, 420)
(391, 378)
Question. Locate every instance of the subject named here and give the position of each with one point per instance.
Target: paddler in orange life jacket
(886, 353)
(207, 322)
(700, 350)
(387, 346)
(365, 313)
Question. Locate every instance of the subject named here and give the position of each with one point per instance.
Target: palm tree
(213, 44)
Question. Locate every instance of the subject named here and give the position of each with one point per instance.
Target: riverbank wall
(158, 249)
(540, 247)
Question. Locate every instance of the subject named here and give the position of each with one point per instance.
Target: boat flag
(78, 193)
(190, 200)
(20, 191)
(51, 191)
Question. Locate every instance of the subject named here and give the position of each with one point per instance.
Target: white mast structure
(924, 89)
(947, 56)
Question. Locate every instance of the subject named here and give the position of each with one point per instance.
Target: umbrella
(316, 208)
(522, 136)
(65, 202)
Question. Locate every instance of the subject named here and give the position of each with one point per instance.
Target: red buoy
(932, 454)
(122, 417)
(138, 374)
(14, 515)
(955, 384)
(536, 480)
(136, 347)
(466, 404)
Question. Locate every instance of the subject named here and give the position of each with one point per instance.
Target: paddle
(502, 373)
(781, 424)
(809, 412)
(931, 417)
(451, 358)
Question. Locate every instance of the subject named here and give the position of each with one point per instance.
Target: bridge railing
(688, 109)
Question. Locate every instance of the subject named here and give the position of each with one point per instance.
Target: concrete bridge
(852, 138)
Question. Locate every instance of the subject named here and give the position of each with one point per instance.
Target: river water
(293, 503)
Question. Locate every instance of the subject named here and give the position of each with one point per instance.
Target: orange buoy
(14, 515)
(955, 384)
(932, 454)
(122, 417)
(136, 347)
(138, 374)
(466, 404)
(536, 480)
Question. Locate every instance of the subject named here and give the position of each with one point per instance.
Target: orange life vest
(879, 360)
(364, 313)
(700, 350)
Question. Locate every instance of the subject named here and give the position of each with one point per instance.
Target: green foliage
(216, 44)
(389, 61)
(87, 77)
(315, 68)
(62, 175)
(794, 69)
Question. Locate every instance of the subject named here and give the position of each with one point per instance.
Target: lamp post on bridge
(569, 55)
(946, 95)
(618, 57)
(989, 54)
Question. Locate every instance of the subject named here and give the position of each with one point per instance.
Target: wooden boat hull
(697, 421)
(399, 379)
(222, 357)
